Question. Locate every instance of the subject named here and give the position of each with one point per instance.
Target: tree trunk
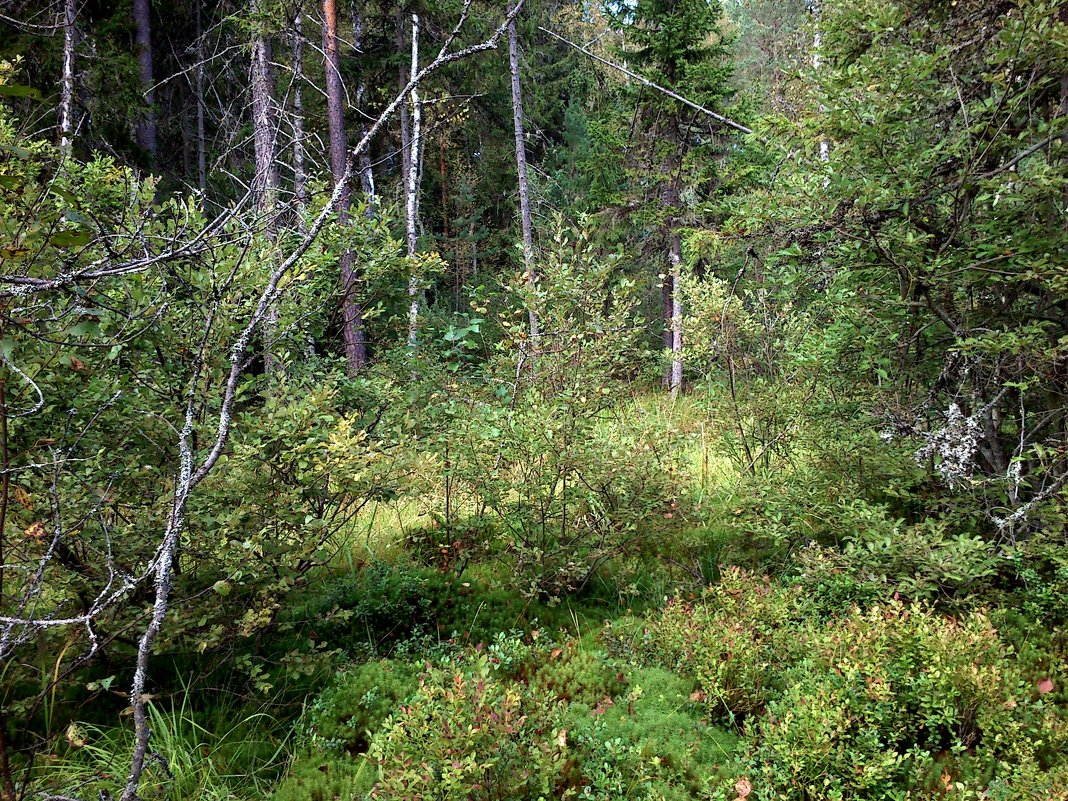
(351, 312)
(265, 181)
(817, 44)
(367, 176)
(672, 292)
(404, 115)
(412, 199)
(521, 168)
(146, 128)
(666, 313)
(198, 81)
(66, 97)
(675, 258)
(300, 174)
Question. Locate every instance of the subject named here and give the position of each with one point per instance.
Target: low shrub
(523, 718)
(345, 715)
(894, 702)
(729, 640)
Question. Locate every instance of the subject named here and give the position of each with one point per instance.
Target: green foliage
(468, 735)
(236, 759)
(344, 715)
(546, 462)
(881, 703)
(524, 719)
(378, 605)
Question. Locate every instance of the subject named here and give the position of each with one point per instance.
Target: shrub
(523, 719)
(890, 703)
(373, 608)
(729, 642)
(469, 735)
(319, 776)
(345, 715)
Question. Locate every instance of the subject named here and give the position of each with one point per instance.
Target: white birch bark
(817, 46)
(675, 258)
(412, 194)
(300, 173)
(66, 97)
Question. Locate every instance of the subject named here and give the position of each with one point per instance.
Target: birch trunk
(367, 177)
(521, 168)
(412, 199)
(817, 45)
(351, 312)
(66, 97)
(675, 258)
(300, 174)
(146, 128)
(672, 290)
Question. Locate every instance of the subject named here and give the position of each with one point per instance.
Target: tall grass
(188, 761)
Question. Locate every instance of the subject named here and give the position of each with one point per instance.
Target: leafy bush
(319, 776)
(468, 735)
(523, 718)
(379, 605)
(344, 716)
(883, 704)
(729, 642)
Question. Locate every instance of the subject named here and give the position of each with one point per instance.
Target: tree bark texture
(146, 128)
(353, 331)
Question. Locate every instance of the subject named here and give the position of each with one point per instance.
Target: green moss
(319, 776)
(348, 712)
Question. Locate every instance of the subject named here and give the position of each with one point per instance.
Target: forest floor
(718, 658)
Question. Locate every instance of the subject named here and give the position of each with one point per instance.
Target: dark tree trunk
(198, 84)
(146, 128)
(404, 115)
(352, 314)
(367, 177)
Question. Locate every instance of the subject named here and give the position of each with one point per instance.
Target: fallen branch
(643, 80)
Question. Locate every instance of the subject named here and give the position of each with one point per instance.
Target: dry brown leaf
(75, 736)
(743, 787)
(22, 498)
(36, 531)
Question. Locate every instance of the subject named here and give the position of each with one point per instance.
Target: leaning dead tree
(199, 447)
